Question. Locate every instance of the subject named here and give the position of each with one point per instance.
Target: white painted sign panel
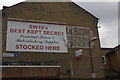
(36, 37)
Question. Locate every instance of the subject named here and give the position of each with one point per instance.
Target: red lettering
(33, 46)
(17, 46)
(37, 47)
(37, 27)
(17, 30)
(20, 46)
(53, 33)
(56, 48)
(25, 47)
(28, 31)
(46, 28)
(23, 30)
(11, 30)
(29, 46)
(48, 33)
(30, 26)
(39, 31)
(34, 27)
(44, 32)
(34, 31)
(41, 47)
(50, 47)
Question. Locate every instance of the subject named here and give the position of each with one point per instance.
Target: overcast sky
(105, 10)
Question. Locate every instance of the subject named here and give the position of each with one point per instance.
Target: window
(103, 60)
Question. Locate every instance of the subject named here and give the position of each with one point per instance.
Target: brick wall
(68, 13)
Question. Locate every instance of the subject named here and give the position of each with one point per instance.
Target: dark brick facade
(66, 12)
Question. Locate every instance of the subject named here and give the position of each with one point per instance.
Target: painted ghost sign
(78, 37)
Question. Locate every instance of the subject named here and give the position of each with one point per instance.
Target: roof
(117, 47)
(113, 50)
(107, 48)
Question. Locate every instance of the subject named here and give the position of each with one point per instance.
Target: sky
(105, 10)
